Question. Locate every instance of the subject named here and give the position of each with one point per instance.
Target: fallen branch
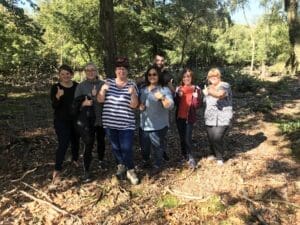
(45, 203)
(24, 175)
(185, 195)
(10, 192)
(253, 210)
(39, 191)
(57, 209)
(282, 201)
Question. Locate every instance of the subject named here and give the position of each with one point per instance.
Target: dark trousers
(185, 133)
(121, 143)
(66, 134)
(88, 138)
(215, 136)
(157, 140)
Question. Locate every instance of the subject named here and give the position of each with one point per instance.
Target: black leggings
(88, 139)
(66, 134)
(215, 136)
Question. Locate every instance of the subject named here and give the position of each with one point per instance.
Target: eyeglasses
(152, 74)
(91, 70)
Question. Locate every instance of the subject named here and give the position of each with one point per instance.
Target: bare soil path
(258, 184)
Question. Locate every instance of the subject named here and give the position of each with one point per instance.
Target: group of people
(95, 108)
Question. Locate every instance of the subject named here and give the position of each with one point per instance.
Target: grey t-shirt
(155, 116)
(85, 88)
(218, 112)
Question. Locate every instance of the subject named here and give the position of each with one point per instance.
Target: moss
(168, 201)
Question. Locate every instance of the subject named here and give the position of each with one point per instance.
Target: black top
(165, 76)
(63, 106)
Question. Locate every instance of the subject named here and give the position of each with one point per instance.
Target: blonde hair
(214, 72)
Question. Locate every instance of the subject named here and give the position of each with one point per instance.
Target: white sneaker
(131, 175)
(220, 162)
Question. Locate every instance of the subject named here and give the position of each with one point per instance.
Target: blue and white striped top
(117, 113)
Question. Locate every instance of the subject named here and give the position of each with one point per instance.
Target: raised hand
(87, 102)
(179, 92)
(105, 87)
(205, 90)
(60, 92)
(195, 93)
(131, 90)
(94, 91)
(158, 95)
(142, 107)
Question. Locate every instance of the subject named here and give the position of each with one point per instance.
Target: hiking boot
(166, 157)
(132, 177)
(155, 170)
(121, 171)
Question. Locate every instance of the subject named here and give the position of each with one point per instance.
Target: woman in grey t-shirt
(218, 112)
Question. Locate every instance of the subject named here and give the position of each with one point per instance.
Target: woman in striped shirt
(120, 98)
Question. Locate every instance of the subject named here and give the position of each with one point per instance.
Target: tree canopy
(194, 33)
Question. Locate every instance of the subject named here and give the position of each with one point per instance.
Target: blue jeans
(121, 142)
(155, 139)
(66, 134)
(185, 133)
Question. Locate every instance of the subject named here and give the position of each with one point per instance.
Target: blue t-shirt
(155, 116)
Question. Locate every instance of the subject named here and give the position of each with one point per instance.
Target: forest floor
(258, 183)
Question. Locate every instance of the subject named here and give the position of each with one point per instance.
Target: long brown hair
(184, 71)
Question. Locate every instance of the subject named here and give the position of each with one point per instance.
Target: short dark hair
(122, 61)
(160, 53)
(65, 67)
(146, 76)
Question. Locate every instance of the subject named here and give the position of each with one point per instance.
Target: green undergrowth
(291, 130)
(168, 201)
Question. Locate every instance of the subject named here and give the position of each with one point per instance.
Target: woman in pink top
(188, 99)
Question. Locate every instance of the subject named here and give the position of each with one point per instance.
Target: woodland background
(259, 182)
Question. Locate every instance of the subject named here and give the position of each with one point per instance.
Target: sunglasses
(152, 74)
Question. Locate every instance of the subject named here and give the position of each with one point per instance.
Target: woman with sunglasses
(155, 103)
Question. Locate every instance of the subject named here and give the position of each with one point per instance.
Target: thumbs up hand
(195, 93)
(131, 90)
(180, 92)
(105, 87)
(59, 93)
(94, 91)
(205, 90)
(87, 102)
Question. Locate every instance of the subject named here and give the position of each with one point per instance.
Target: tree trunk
(108, 36)
(291, 6)
(185, 39)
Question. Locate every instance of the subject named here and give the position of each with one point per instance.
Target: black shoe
(166, 157)
(86, 177)
(146, 164)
